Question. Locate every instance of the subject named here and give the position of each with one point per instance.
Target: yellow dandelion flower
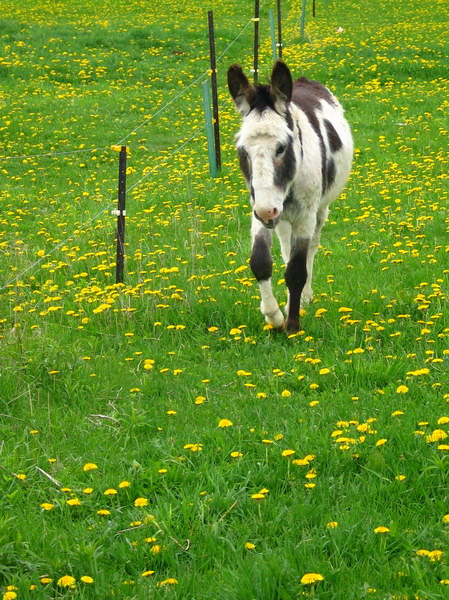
(402, 389)
(225, 423)
(9, 596)
(66, 581)
(250, 546)
(258, 496)
(236, 454)
(21, 476)
(436, 436)
(87, 579)
(90, 467)
(74, 502)
(288, 452)
(124, 484)
(381, 442)
(110, 492)
(103, 512)
(88, 490)
(310, 578)
(286, 393)
(47, 506)
(141, 502)
(300, 462)
(169, 581)
(45, 580)
(381, 529)
(332, 524)
(324, 371)
(147, 573)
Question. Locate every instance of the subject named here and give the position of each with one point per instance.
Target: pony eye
(280, 149)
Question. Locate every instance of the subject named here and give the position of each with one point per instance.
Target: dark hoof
(292, 325)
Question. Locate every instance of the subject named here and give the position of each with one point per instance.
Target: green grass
(360, 393)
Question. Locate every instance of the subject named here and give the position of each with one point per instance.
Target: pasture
(157, 440)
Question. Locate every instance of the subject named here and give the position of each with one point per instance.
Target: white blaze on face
(261, 135)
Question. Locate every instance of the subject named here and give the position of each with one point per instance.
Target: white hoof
(276, 320)
(307, 295)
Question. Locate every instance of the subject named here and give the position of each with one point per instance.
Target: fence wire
(133, 186)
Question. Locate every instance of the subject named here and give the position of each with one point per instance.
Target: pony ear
(240, 89)
(281, 82)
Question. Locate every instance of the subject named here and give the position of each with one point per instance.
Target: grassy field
(156, 439)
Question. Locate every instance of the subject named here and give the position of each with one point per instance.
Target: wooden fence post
(279, 29)
(121, 215)
(256, 40)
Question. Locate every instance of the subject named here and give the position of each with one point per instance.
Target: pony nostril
(267, 214)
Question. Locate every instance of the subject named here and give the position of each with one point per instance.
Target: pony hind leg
(321, 217)
(284, 233)
(261, 264)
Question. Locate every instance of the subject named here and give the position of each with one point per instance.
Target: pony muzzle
(268, 223)
(265, 215)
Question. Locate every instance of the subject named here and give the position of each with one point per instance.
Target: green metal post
(303, 18)
(273, 33)
(209, 128)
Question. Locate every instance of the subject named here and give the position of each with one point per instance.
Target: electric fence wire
(86, 223)
(159, 111)
(178, 149)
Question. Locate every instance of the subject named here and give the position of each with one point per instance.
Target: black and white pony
(295, 150)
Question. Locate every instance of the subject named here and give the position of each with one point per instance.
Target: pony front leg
(262, 267)
(295, 278)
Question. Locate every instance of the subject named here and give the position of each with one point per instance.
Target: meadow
(157, 439)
